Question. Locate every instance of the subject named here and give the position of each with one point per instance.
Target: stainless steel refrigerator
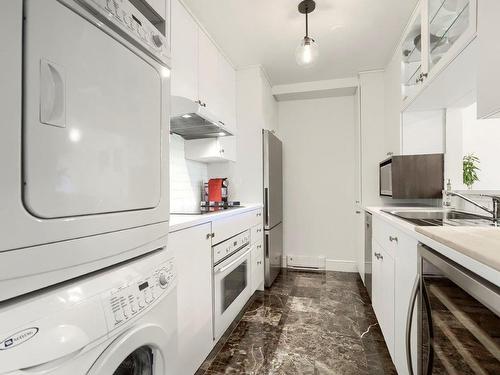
(273, 206)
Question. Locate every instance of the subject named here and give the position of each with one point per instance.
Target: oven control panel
(230, 246)
(133, 298)
(123, 13)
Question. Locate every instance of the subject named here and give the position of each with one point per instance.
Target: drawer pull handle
(395, 239)
(378, 256)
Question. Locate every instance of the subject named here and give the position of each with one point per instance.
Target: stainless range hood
(191, 120)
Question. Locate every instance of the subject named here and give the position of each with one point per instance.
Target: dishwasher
(368, 253)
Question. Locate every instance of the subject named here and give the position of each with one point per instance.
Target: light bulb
(307, 52)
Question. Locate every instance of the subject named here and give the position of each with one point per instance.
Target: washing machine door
(139, 351)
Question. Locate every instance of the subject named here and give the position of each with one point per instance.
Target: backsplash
(186, 178)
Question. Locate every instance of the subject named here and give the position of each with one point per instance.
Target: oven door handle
(222, 269)
(409, 321)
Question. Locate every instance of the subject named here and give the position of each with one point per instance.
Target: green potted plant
(470, 168)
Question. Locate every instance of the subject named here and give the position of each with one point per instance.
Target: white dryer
(120, 321)
(83, 139)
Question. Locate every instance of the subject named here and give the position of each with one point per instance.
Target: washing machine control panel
(132, 299)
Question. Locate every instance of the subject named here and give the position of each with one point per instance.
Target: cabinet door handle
(391, 238)
(358, 212)
(377, 255)
(212, 235)
(209, 235)
(220, 122)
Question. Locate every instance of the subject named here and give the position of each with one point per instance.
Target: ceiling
(353, 35)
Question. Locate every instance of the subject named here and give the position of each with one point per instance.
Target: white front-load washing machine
(118, 321)
(83, 139)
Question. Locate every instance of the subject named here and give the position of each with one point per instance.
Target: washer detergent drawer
(92, 118)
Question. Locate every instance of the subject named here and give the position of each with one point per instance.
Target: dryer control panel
(124, 14)
(132, 299)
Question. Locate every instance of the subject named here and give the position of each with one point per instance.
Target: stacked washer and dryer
(87, 283)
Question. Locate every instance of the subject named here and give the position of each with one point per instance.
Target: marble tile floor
(306, 323)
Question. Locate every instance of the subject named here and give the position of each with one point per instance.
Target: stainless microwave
(412, 176)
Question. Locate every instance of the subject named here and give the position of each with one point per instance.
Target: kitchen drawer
(229, 226)
(388, 237)
(257, 234)
(257, 266)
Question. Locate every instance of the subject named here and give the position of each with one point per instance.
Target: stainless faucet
(495, 212)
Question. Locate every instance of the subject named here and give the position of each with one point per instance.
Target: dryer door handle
(52, 94)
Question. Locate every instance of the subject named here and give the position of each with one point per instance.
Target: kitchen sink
(441, 218)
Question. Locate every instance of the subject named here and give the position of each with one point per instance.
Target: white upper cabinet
(438, 32)
(208, 58)
(184, 53)
(211, 150)
(199, 71)
(488, 79)
(226, 83)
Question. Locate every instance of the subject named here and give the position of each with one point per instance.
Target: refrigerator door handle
(266, 206)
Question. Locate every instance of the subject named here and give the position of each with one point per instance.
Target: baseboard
(334, 265)
(341, 265)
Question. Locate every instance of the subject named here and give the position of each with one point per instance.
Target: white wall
(465, 134)
(423, 132)
(186, 178)
(318, 173)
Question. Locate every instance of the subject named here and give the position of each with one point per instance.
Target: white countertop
(449, 249)
(183, 221)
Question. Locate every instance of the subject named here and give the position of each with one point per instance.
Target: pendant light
(307, 52)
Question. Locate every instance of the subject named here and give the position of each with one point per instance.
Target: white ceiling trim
(316, 89)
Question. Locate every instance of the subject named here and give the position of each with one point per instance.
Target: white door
(92, 125)
(383, 293)
(226, 82)
(184, 53)
(207, 72)
(193, 249)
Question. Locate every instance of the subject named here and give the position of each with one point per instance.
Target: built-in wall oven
(458, 319)
(232, 283)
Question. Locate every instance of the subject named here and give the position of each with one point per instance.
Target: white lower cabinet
(394, 271)
(383, 292)
(193, 253)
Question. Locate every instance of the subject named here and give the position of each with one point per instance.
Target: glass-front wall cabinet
(411, 52)
(439, 30)
(450, 21)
